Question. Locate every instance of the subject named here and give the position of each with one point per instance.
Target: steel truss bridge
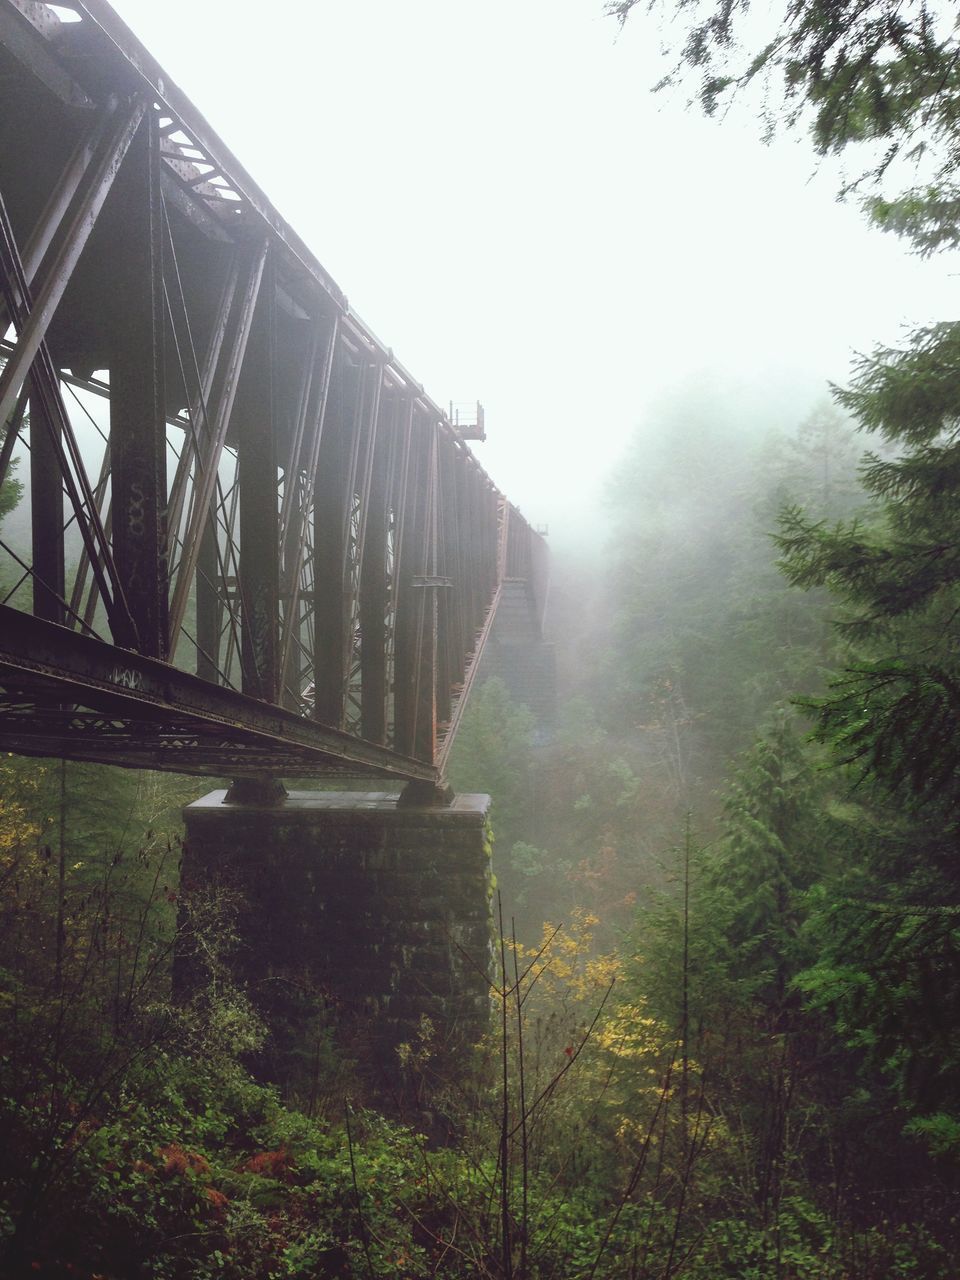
(255, 545)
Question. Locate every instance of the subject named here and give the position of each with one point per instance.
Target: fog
(509, 207)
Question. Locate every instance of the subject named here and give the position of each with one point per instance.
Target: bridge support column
(359, 918)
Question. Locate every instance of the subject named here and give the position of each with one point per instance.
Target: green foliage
(928, 217)
(878, 79)
(888, 974)
(910, 395)
(940, 1132)
(763, 1083)
(11, 491)
(492, 754)
(881, 72)
(804, 1244)
(139, 1145)
(899, 721)
(800, 1243)
(794, 1028)
(883, 927)
(897, 576)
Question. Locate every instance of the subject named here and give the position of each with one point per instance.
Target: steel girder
(270, 550)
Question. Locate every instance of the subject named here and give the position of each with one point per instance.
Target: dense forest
(725, 991)
(725, 1042)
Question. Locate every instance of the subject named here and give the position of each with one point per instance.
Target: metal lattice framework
(255, 544)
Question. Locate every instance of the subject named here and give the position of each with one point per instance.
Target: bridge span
(255, 544)
(249, 544)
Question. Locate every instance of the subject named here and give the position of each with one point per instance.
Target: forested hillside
(684, 653)
(752, 802)
(724, 1041)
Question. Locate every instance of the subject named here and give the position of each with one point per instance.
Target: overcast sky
(509, 207)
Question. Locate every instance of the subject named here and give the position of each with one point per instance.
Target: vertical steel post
(408, 596)
(209, 604)
(331, 498)
(296, 532)
(399, 513)
(329, 533)
(450, 644)
(416, 639)
(462, 595)
(472, 542)
(257, 471)
(373, 592)
(425, 737)
(137, 401)
(364, 451)
(46, 509)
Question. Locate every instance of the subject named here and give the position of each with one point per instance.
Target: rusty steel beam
(53, 417)
(299, 486)
(415, 675)
(209, 604)
(368, 424)
(197, 382)
(58, 668)
(428, 585)
(450, 655)
(73, 232)
(402, 472)
(65, 192)
(118, 38)
(99, 492)
(21, 38)
(138, 417)
(216, 423)
(329, 551)
(408, 599)
(258, 581)
(374, 589)
(46, 511)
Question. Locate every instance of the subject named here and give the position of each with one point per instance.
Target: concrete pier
(357, 920)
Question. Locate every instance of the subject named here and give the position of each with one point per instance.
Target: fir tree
(896, 577)
(879, 71)
(10, 492)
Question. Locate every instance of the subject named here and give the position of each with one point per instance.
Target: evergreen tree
(718, 960)
(896, 576)
(880, 71)
(887, 931)
(11, 492)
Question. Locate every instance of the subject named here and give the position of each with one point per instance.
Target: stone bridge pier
(358, 918)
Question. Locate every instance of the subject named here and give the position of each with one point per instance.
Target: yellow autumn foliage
(629, 1032)
(564, 962)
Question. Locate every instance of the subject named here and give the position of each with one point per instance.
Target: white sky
(507, 205)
